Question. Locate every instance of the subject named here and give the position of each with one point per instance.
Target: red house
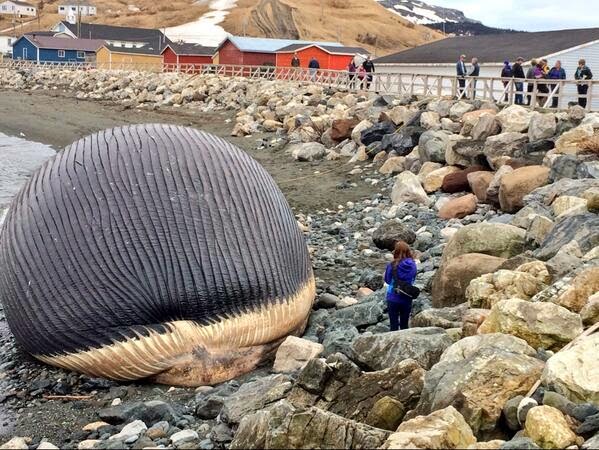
(328, 57)
(250, 51)
(187, 54)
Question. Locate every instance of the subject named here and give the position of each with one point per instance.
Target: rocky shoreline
(501, 207)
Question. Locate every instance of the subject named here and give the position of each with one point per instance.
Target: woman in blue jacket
(556, 73)
(398, 305)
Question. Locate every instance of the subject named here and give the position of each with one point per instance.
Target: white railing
(542, 93)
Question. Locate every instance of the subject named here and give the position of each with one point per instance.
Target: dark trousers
(519, 96)
(399, 315)
(368, 80)
(529, 88)
(462, 85)
(582, 90)
(352, 80)
(555, 98)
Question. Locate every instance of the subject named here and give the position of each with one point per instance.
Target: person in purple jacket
(400, 306)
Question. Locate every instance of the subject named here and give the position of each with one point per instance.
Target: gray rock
(591, 443)
(504, 145)
(339, 338)
(432, 146)
(361, 314)
(520, 443)
(376, 132)
(372, 279)
(582, 228)
(589, 427)
(314, 376)
(510, 412)
(326, 301)
(149, 412)
(386, 236)
(546, 194)
(486, 126)
(184, 437)
(403, 141)
(209, 407)
(309, 151)
(285, 426)
(254, 396)
(446, 318)
(381, 351)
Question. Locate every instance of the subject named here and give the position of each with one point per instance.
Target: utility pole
(78, 18)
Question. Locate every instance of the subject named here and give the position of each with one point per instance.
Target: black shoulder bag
(402, 288)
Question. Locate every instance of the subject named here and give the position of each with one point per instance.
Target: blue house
(31, 47)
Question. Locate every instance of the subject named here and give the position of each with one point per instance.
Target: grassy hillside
(353, 22)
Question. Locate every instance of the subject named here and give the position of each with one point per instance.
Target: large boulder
(573, 372)
(254, 396)
(393, 165)
(479, 183)
(515, 185)
(500, 148)
(441, 107)
(390, 232)
(581, 228)
(433, 181)
(407, 189)
(339, 386)
(458, 181)
(460, 108)
(571, 142)
(432, 145)
(294, 353)
(381, 351)
(542, 126)
(453, 277)
(283, 425)
(495, 239)
(403, 141)
(580, 289)
(341, 129)
(459, 207)
(430, 120)
(443, 429)
(309, 151)
(541, 324)
(376, 132)
(514, 118)
(548, 428)
(495, 184)
(490, 288)
(465, 152)
(447, 317)
(357, 131)
(486, 126)
(478, 375)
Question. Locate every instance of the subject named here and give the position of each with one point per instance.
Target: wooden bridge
(533, 94)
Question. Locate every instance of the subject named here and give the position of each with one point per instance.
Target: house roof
(114, 33)
(86, 45)
(492, 48)
(327, 48)
(191, 49)
(41, 33)
(21, 3)
(267, 45)
(146, 50)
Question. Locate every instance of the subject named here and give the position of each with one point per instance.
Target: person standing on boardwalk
(461, 74)
(530, 75)
(369, 68)
(351, 68)
(506, 72)
(540, 74)
(583, 73)
(556, 73)
(474, 72)
(295, 61)
(313, 65)
(361, 76)
(518, 74)
(401, 269)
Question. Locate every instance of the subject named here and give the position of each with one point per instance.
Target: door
(24, 52)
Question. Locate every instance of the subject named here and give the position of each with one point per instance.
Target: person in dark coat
(403, 267)
(506, 72)
(461, 73)
(295, 61)
(313, 65)
(530, 75)
(583, 73)
(369, 68)
(556, 73)
(474, 72)
(518, 74)
(351, 68)
(540, 73)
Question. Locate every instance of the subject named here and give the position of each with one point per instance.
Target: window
(80, 55)
(61, 53)
(61, 8)
(9, 41)
(73, 8)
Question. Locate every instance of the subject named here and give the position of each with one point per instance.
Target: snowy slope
(206, 29)
(422, 13)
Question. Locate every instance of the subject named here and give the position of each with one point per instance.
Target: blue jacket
(406, 271)
(460, 68)
(556, 74)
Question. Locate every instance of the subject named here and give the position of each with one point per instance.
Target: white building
(440, 57)
(74, 9)
(17, 8)
(6, 41)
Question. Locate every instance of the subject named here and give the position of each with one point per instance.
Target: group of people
(360, 75)
(538, 70)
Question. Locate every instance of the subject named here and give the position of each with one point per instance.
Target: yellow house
(131, 58)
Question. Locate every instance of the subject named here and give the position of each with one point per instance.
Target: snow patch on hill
(423, 14)
(205, 30)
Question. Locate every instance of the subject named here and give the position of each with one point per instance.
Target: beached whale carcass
(153, 251)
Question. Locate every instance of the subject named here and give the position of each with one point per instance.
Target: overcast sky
(529, 15)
